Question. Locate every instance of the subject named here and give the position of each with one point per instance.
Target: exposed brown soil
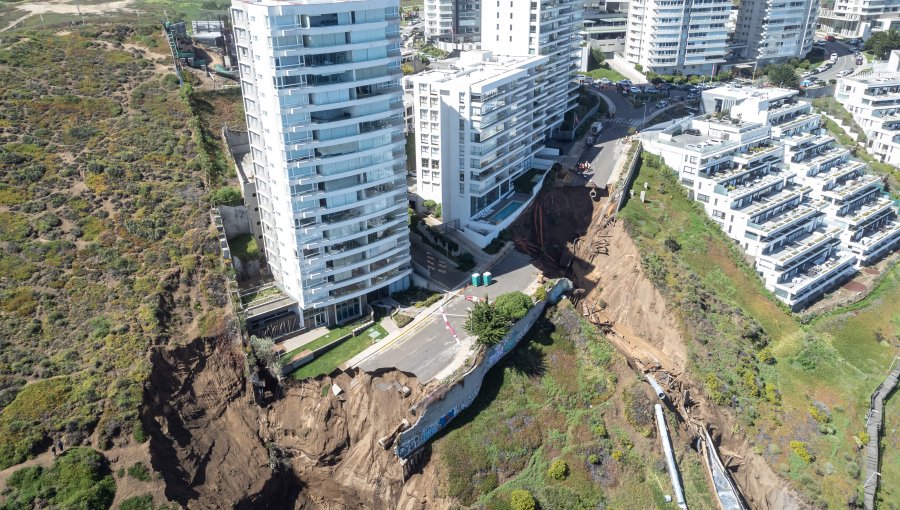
(604, 263)
(216, 448)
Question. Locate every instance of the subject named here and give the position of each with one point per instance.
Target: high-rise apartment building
(669, 36)
(775, 30)
(859, 18)
(476, 132)
(453, 24)
(323, 100)
(546, 28)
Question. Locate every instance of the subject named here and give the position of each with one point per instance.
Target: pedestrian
(53, 449)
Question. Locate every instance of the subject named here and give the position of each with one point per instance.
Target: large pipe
(670, 457)
(656, 387)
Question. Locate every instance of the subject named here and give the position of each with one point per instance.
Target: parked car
(589, 141)
(634, 90)
(834, 56)
(819, 43)
(662, 103)
(805, 74)
(693, 95)
(604, 81)
(830, 38)
(651, 90)
(624, 83)
(596, 128)
(845, 72)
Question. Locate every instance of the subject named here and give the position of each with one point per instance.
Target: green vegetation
(880, 44)
(491, 321)
(753, 355)
(139, 471)
(107, 238)
(260, 294)
(551, 403)
(401, 319)
(333, 358)
(525, 183)
(782, 75)
(513, 304)
(584, 102)
(889, 485)
(521, 500)
(433, 51)
(494, 246)
(417, 296)
(244, 247)
(227, 195)
(604, 72)
(78, 479)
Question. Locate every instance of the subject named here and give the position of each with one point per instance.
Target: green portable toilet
(486, 279)
(476, 279)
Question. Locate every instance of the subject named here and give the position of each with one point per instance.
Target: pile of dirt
(570, 234)
(311, 448)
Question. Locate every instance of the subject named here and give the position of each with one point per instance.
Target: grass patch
(244, 247)
(79, 478)
(401, 319)
(260, 294)
(604, 72)
(341, 353)
(833, 363)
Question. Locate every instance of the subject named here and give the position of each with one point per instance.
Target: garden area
(598, 67)
(342, 352)
(800, 390)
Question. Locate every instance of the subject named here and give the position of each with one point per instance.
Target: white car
(845, 72)
(834, 56)
(805, 74)
(604, 81)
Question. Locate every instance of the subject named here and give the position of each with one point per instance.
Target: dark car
(830, 38)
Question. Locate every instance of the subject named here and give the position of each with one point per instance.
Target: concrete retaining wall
(628, 179)
(438, 408)
(236, 220)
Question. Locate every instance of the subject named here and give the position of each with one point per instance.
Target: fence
(438, 408)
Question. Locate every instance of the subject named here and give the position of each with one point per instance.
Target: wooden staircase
(874, 421)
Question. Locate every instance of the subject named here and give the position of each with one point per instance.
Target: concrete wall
(438, 408)
(235, 219)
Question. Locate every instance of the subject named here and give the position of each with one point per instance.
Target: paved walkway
(294, 342)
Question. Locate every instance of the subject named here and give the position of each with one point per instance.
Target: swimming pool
(504, 213)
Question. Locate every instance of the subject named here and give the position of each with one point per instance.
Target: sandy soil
(35, 8)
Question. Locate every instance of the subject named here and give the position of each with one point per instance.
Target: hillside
(105, 245)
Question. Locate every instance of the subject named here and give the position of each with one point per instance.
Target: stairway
(873, 428)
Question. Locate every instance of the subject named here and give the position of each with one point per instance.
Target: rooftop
(478, 70)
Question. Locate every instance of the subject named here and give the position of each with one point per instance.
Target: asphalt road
(439, 343)
(845, 60)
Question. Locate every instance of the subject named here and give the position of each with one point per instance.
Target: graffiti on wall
(438, 412)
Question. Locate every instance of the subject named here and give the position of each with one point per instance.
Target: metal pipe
(670, 457)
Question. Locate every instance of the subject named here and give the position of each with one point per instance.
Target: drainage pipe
(670, 457)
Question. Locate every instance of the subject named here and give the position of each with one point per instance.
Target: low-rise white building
(873, 98)
(477, 131)
(787, 194)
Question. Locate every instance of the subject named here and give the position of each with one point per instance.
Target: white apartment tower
(669, 36)
(477, 131)
(859, 18)
(547, 28)
(873, 98)
(322, 94)
(453, 24)
(775, 30)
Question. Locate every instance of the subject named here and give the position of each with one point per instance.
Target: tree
(882, 43)
(723, 76)
(514, 305)
(266, 357)
(520, 499)
(783, 76)
(487, 322)
(407, 69)
(598, 56)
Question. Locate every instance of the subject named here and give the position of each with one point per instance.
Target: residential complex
(873, 98)
(323, 101)
(785, 192)
(768, 31)
(453, 24)
(478, 128)
(546, 28)
(859, 18)
(665, 36)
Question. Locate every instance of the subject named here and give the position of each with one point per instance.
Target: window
(346, 310)
(703, 198)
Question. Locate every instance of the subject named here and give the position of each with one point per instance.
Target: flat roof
(479, 74)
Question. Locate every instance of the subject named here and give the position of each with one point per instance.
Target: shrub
(540, 294)
(142, 502)
(799, 447)
(513, 304)
(139, 434)
(494, 246)
(863, 437)
(139, 471)
(429, 204)
(401, 319)
(227, 195)
(593, 459)
(79, 478)
(558, 470)
(521, 499)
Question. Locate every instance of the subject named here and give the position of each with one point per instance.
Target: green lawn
(333, 358)
(604, 72)
(260, 294)
(836, 361)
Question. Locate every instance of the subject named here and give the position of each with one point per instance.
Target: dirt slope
(216, 448)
